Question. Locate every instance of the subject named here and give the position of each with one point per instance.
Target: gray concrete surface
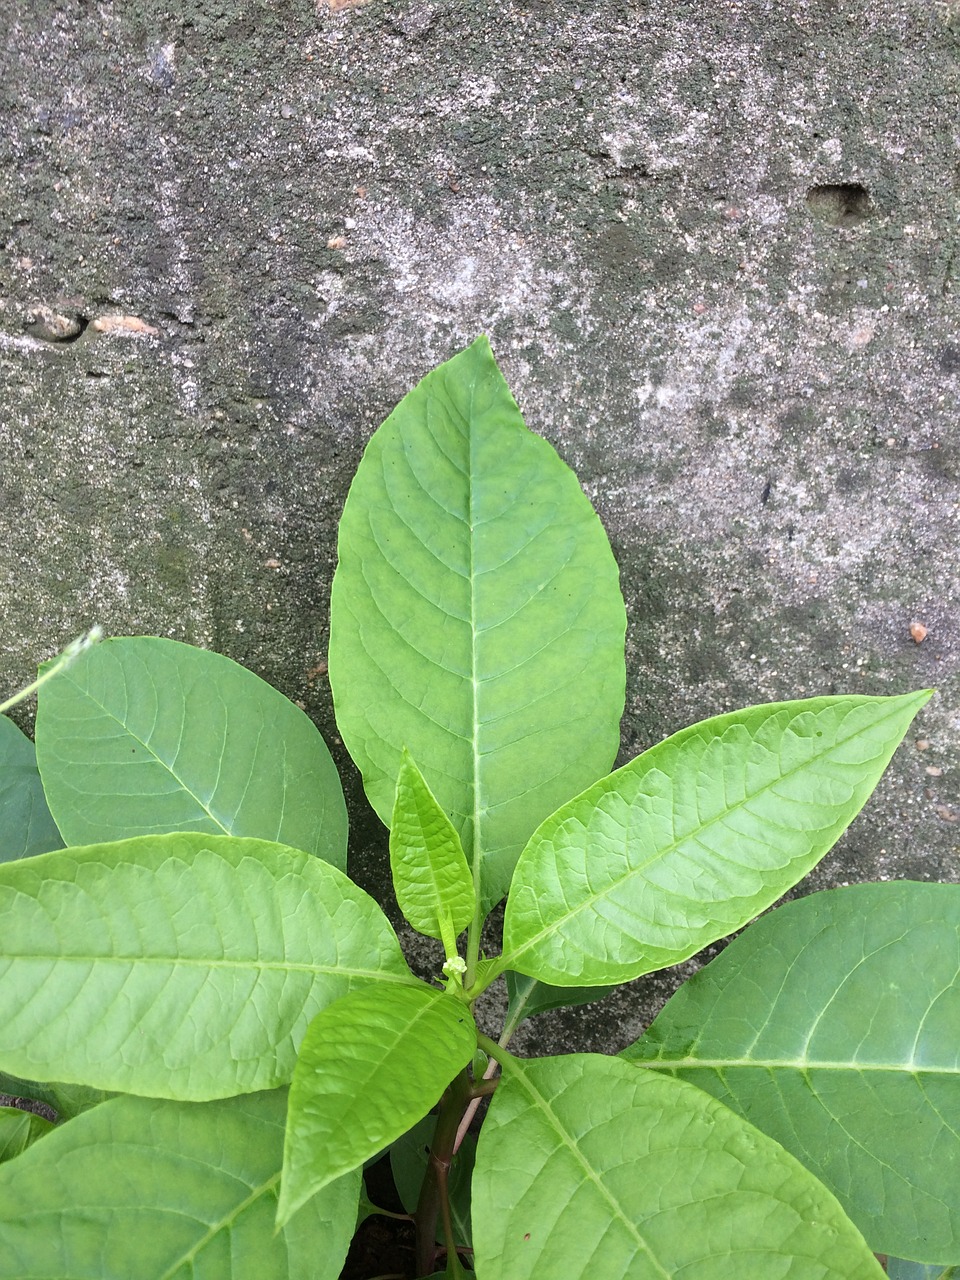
(714, 244)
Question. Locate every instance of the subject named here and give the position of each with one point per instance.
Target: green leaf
(370, 1066)
(898, 1269)
(171, 1191)
(409, 1156)
(18, 1130)
(585, 1171)
(143, 735)
(26, 826)
(833, 1025)
(366, 1208)
(476, 616)
(181, 966)
(64, 1100)
(695, 837)
(430, 873)
(527, 997)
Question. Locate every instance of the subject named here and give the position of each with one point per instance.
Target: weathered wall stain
(715, 248)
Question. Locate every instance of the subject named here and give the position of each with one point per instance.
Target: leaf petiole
(496, 1051)
(58, 664)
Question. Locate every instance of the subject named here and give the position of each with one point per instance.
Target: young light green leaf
(476, 616)
(409, 1156)
(583, 1172)
(19, 1130)
(181, 966)
(430, 872)
(26, 825)
(695, 837)
(143, 735)
(370, 1066)
(173, 1191)
(833, 1024)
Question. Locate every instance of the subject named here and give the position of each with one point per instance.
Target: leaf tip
(917, 699)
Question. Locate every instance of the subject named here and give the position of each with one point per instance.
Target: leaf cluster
(207, 1030)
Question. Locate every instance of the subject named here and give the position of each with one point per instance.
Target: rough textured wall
(714, 243)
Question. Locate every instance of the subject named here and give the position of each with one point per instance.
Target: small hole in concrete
(841, 204)
(51, 326)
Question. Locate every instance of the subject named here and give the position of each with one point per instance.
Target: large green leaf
(26, 825)
(181, 966)
(142, 1188)
(142, 735)
(409, 1157)
(833, 1025)
(430, 874)
(586, 1172)
(694, 837)
(370, 1066)
(476, 616)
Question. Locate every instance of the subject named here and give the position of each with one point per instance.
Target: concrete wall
(714, 243)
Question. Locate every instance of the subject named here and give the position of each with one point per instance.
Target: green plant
(197, 951)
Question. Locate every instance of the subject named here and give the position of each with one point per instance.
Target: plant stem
(481, 1089)
(454, 1268)
(497, 1054)
(433, 1193)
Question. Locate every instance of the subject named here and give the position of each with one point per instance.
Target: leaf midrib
(163, 764)
(507, 960)
(215, 1228)
(560, 1129)
(475, 736)
(192, 962)
(791, 1064)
